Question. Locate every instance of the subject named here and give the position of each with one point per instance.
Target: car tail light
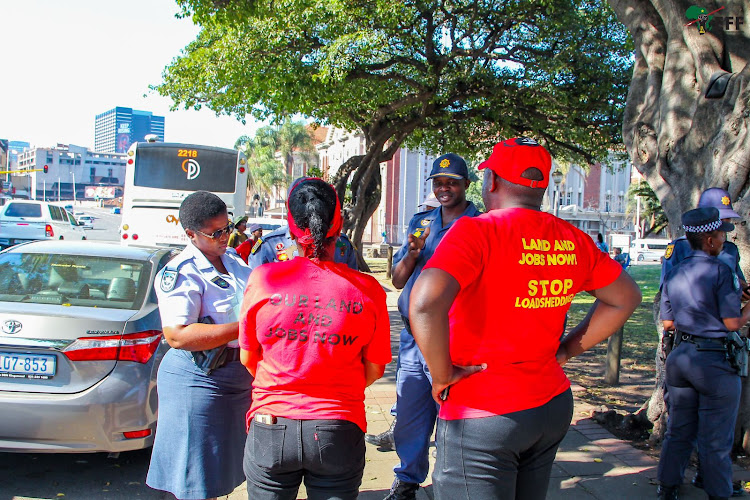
(124, 236)
(135, 236)
(48, 231)
(137, 434)
(138, 347)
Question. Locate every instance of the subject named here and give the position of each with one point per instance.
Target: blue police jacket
(698, 293)
(680, 248)
(418, 224)
(278, 246)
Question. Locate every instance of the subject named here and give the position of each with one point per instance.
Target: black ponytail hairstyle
(313, 204)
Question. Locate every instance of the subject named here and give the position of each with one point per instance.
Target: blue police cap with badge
(719, 199)
(704, 220)
(449, 165)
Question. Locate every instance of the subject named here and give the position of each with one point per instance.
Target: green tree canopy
(650, 207)
(444, 75)
(271, 153)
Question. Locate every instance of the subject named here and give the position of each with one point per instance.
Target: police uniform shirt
(698, 293)
(417, 226)
(680, 248)
(278, 246)
(190, 289)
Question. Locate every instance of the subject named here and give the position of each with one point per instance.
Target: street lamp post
(557, 178)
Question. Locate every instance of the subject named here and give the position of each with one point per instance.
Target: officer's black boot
(384, 440)
(667, 492)
(401, 490)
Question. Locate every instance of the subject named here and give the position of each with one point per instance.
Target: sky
(65, 61)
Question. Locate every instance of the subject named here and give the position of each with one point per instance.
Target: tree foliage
(650, 207)
(270, 154)
(444, 75)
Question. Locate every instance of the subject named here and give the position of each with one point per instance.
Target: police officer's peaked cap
(704, 220)
(718, 198)
(253, 227)
(449, 165)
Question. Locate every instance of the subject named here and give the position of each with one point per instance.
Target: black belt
(689, 337)
(232, 354)
(407, 326)
(705, 343)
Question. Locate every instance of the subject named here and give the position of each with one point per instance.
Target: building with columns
(595, 201)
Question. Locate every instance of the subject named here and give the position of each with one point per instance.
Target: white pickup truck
(27, 220)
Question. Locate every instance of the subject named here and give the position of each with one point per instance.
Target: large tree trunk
(680, 140)
(365, 188)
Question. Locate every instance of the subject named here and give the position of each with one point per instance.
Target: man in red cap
(487, 312)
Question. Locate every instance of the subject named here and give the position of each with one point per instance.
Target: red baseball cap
(509, 159)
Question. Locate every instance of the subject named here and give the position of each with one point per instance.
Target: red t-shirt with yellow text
(315, 322)
(519, 270)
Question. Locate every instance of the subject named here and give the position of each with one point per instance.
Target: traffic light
(45, 168)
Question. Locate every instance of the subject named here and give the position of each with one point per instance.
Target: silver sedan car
(80, 344)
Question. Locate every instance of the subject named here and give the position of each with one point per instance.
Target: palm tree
(651, 209)
(271, 153)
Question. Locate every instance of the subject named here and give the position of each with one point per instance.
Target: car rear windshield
(73, 280)
(23, 210)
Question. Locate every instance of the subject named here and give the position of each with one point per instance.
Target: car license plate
(37, 366)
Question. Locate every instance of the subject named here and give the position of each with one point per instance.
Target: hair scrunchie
(304, 236)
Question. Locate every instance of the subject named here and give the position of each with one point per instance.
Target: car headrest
(121, 289)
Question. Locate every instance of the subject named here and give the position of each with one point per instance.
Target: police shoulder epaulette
(668, 252)
(256, 246)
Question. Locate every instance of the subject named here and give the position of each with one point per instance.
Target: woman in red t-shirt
(314, 334)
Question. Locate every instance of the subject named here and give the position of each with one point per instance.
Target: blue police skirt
(200, 435)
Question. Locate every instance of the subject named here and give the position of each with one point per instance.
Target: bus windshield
(186, 169)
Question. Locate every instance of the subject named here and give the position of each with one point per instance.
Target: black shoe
(384, 441)
(667, 492)
(737, 489)
(401, 490)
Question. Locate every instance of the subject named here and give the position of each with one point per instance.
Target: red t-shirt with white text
(519, 270)
(316, 322)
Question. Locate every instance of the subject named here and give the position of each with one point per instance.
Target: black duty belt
(232, 354)
(407, 326)
(705, 343)
(689, 337)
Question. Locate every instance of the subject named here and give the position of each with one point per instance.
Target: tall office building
(116, 129)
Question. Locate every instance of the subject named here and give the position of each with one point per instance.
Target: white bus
(158, 176)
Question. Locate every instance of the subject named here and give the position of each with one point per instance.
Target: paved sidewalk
(590, 464)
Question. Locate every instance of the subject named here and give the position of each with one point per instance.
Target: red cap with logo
(510, 158)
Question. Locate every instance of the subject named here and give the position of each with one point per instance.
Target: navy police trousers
(702, 396)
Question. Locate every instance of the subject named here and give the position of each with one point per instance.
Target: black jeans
(505, 457)
(328, 454)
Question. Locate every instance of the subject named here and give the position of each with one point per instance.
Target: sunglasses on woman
(219, 232)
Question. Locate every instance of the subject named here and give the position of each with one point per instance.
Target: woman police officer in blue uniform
(204, 391)
(701, 300)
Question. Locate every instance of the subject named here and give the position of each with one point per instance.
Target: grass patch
(640, 336)
(637, 355)
(377, 266)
